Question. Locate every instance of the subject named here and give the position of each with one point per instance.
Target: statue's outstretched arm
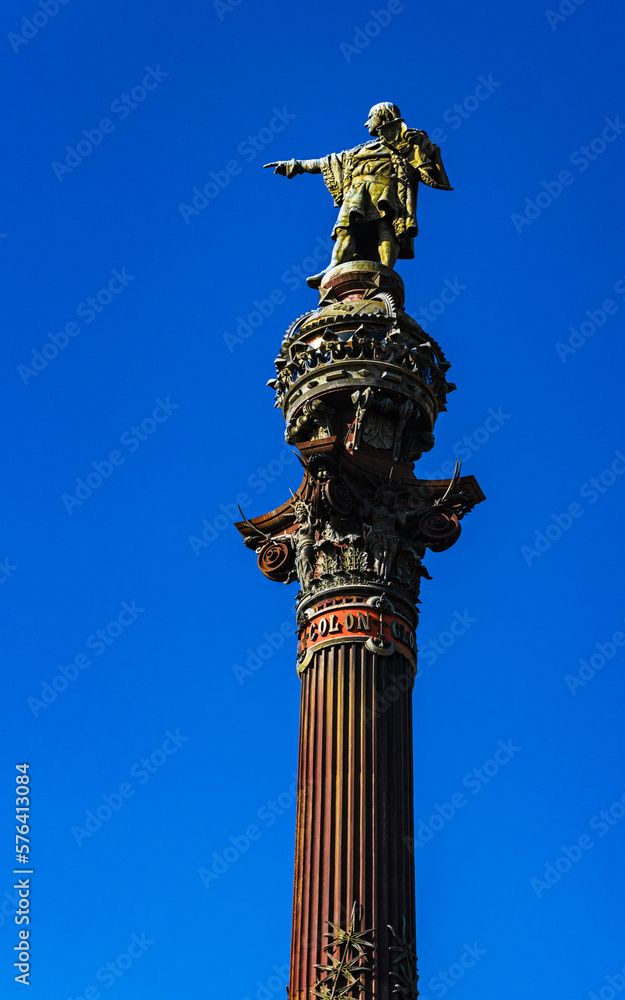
(290, 168)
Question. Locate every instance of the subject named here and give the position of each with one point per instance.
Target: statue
(381, 535)
(375, 186)
(303, 541)
(388, 532)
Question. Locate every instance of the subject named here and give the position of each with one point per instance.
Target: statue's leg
(344, 250)
(388, 244)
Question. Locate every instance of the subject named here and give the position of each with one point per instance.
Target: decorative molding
(378, 626)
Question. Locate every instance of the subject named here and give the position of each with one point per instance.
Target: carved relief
(380, 421)
(315, 421)
(354, 560)
(382, 340)
(340, 534)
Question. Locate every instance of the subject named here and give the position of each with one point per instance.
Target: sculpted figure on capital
(303, 540)
(387, 531)
(375, 187)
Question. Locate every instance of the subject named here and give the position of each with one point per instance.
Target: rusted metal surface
(354, 839)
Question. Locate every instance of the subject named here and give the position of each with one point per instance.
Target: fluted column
(354, 814)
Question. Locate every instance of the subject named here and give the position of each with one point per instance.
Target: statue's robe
(379, 180)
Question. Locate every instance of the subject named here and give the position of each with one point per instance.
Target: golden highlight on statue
(375, 186)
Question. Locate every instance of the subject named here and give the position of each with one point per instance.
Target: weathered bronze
(360, 385)
(375, 185)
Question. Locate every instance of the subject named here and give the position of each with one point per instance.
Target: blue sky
(131, 365)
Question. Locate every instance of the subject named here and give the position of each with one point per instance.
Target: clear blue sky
(146, 387)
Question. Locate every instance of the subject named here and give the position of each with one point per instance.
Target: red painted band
(341, 623)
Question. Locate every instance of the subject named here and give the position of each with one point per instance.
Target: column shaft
(354, 812)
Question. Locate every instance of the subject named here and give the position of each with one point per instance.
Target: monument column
(360, 385)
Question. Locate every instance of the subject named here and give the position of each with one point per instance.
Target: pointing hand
(289, 168)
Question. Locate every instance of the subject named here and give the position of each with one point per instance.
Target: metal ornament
(341, 975)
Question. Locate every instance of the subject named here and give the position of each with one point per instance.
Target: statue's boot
(314, 281)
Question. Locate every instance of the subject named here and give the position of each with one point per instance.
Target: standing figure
(381, 535)
(303, 540)
(375, 186)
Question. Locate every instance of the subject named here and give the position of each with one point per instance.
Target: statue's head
(385, 497)
(382, 114)
(301, 511)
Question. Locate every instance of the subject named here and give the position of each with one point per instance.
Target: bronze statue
(375, 186)
(381, 535)
(304, 545)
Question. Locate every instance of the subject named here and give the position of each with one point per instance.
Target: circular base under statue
(355, 278)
